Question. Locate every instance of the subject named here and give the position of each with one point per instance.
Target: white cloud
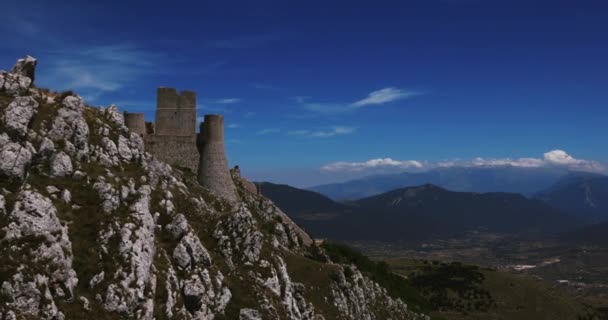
(383, 96)
(233, 126)
(552, 158)
(521, 162)
(561, 157)
(372, 164)
(228, 100)
(334, 131)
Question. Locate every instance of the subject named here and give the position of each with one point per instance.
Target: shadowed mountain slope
(581, 194)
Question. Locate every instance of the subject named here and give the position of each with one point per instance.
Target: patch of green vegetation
(453, 286)
(242, 296)
(44, 116)
(514, 296)
(396, 285)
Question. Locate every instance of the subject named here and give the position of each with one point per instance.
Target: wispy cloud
(334, 131)
(268, 131)
(557, 158)
(378, 97)
(228, 100)
(266, 86)
(245, 42)
(383, 96)
(233, 126)
(96, 70)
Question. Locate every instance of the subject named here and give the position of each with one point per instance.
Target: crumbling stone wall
(174, 150)
(213, 172)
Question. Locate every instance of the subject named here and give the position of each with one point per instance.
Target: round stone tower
(213, 172)
(135, 122)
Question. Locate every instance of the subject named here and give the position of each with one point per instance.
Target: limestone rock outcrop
(25, 67)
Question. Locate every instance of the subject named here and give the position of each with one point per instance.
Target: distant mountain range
(581, 194)
(527, 181)
(417, 213)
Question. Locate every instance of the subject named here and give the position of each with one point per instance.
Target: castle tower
(175, 113)
(213, 172)
(135, 122)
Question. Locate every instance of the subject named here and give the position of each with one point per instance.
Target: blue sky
(314, 90)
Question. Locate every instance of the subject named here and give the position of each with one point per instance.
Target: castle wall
(175, 113)
(135, 122)
(213, 172)
(174, 150)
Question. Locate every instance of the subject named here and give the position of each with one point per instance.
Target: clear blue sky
(304, 84)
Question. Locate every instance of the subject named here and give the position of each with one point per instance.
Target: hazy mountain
(403, 214)
(581, 194)
(471, 179)
(417, 213)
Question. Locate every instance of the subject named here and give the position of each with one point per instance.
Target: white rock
(61, 165)
(70, 124)
(14, 84)
(14, 159)
(178, 227)
(47, 147)
(85, 303)
(66, 196)
(19, 113)
(123, 148)
(190, 252)
(25, 67)
(32, 214)
(4, 139)
(249, 314)
(115, 115)
(2, 206)
(52, 189)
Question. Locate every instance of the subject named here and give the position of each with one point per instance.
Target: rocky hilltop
(93, 227)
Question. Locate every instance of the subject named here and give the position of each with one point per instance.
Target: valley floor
(525, 276)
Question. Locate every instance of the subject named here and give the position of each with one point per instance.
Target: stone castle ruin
(173, 139)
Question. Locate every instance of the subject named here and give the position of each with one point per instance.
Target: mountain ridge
(513, 179)
(403, 214)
